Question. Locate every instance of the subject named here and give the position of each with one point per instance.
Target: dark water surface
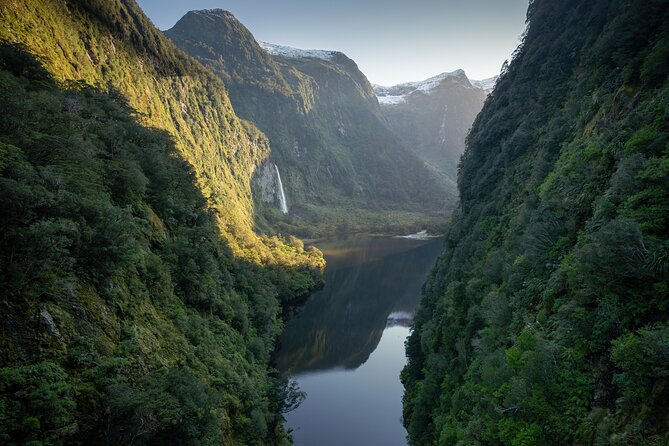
(346, 346)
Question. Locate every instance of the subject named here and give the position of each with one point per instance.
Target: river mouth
(345, 347)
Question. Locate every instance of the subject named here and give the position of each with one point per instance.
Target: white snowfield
(213, 14)
(295, 53)
(486, 85)
(398, 94)
(392, 100)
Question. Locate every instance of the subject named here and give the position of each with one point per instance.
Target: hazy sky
(392, 41)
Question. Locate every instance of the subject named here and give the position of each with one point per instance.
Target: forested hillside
(342, 168)
(545, 321)
(138, 306)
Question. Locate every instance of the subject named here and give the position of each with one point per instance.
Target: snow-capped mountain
(487, 85)
(398, 94)
(296, 53)
(433, 117)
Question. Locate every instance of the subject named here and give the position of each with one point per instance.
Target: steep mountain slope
(322, 119)
(545, 321)
(138, 305)
(433, 117)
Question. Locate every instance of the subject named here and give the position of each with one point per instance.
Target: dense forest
(545, 320)
(138, 305)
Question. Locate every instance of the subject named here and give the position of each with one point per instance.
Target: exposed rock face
(265, 183)
(47, 319)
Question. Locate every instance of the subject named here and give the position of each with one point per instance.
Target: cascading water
(282, 196)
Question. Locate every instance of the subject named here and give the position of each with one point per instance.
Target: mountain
(138, 304)
(545, 320)
(433, 118)
(487, 85)
(341, 167)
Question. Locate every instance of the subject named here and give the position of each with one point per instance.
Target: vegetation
(138, 305)
(126, 317)
(545, 321)
(328, 139)
(111, 44)
(315, 222)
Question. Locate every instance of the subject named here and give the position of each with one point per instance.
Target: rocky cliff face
(321, 116)
(433, 118)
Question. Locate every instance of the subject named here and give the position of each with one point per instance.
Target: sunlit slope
(138, 305)
(112, 44)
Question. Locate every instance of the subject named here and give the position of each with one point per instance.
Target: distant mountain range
(342, 167)
(433, 118)
(346, 162)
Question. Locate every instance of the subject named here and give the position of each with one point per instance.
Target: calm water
(346, 346)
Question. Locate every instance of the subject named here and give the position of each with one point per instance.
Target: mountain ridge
(404, 89)
(433, 117)
(296, 53)
(329, 142)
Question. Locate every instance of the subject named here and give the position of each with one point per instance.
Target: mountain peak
(213, 13)
(200, 20)
(398, 94)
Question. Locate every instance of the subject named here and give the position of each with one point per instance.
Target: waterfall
(282, 196)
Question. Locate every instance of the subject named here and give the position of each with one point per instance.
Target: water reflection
(360, 317)
(367, 280)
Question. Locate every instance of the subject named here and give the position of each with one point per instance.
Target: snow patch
(392, 100)
(487, 85)
(295, 53)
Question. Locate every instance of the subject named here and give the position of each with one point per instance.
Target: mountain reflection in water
(372, 289)
(366, 281)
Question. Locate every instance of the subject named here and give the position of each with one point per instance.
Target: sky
(392, 41)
